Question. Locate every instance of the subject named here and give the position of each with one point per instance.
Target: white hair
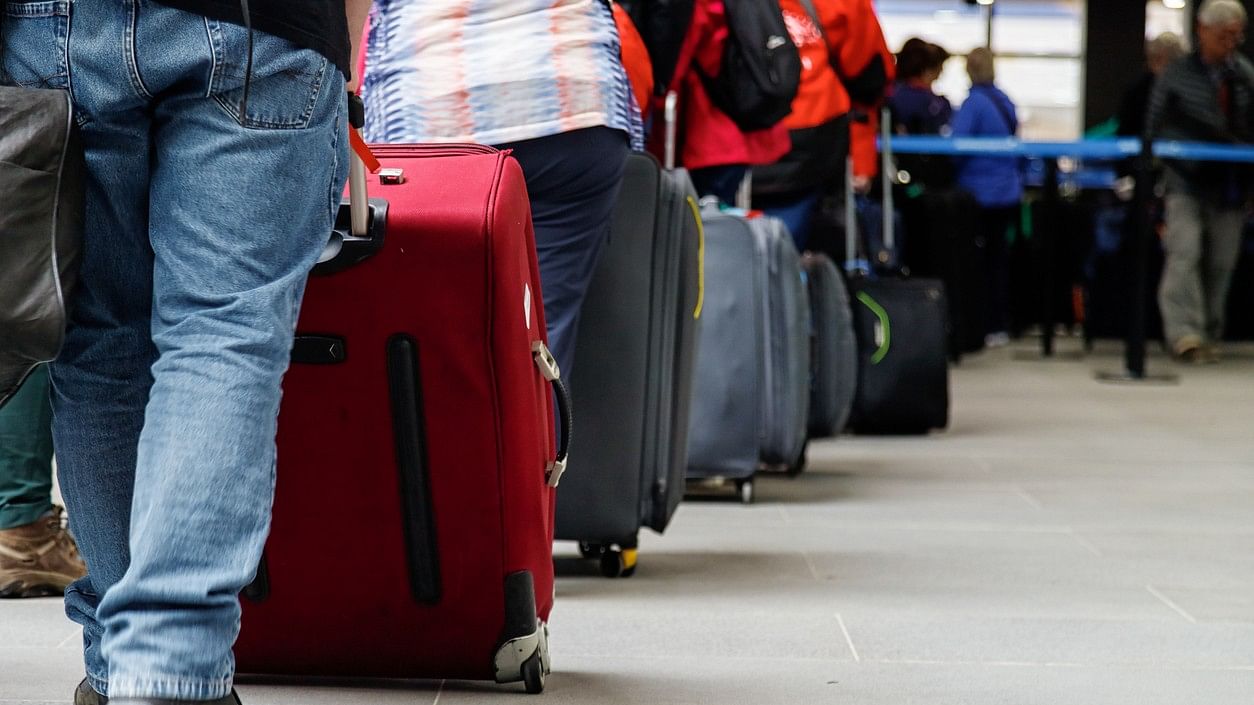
(1220, 12)
(1167, 45)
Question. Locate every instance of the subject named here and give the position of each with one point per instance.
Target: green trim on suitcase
(887, 338)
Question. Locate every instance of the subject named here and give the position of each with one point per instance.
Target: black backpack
(663, 25)
(761, 66)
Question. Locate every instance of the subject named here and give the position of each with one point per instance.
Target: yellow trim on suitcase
(696, 213)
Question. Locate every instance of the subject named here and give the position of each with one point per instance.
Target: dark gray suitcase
(632, 379)
(833, 349)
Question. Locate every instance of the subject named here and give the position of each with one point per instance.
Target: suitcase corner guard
(524, 652)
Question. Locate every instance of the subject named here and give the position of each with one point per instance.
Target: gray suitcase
(786, 367)
(751, 388)
(833, 349)
(632, 380)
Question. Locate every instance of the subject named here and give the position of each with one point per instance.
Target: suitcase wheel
(533, 674)
(615, 562)
(745, 489)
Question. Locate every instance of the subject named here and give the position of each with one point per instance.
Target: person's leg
(1180, 292)
(573, 181)
(241, 207)
(37, 555)
(722, 182)
(26, 454)
(100, 381)
(236, 216)
(996, 225)
(1225, 229)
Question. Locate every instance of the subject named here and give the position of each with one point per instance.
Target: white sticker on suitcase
(527, 304)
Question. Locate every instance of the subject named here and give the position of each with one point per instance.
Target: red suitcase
(413, 517)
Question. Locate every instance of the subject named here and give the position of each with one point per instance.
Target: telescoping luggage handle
(358, 205)
(887, 179)
(670, 116)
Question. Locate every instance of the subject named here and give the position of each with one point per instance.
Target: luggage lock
(391, 177)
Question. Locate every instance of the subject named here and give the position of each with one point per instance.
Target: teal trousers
(26, 453)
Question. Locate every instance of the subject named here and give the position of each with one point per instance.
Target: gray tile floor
(1064, 543)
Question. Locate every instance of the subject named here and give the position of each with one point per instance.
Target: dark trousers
(994, 227)
(26, 453)
(573, 180)
(720, 181)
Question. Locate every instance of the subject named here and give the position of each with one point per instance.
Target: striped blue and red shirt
(494, 71)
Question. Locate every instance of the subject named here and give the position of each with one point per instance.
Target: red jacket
(707, 136)
(856, 47)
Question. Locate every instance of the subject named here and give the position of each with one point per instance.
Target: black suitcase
(901, 326)
(632, 380)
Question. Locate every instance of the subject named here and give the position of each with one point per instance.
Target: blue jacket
(994, 181)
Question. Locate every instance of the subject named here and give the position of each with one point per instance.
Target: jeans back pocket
(284, 85)
(33, 39)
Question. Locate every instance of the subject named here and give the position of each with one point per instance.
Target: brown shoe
(39, 559)
(84, 695)
(1189, 350)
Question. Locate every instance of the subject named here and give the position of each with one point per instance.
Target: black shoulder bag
(41, 225)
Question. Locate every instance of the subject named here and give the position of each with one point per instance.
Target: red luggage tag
(363, 151)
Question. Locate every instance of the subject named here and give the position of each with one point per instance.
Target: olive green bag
(41, 226)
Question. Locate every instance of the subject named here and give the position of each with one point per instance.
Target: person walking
(215, 139)
(1206, 96)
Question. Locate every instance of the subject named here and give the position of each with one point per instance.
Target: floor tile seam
(865, 661)
(1171, 604)
(845, 525)
(1122, 665)
(948, 615)
(704, 657)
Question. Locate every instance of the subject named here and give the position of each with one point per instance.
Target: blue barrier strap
(1099, 149)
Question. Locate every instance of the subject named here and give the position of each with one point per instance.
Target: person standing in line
(215, 138)
(915, 105)
(845, 67)
(38, 557)
(995, 182)
(716, 152)
(918, 110)
(540, 77)
(1160, 52)
(1206, 96)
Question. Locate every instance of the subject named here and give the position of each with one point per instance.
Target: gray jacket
(1185, 106)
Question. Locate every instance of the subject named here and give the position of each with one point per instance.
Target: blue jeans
(797, 211)
(202, 225)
